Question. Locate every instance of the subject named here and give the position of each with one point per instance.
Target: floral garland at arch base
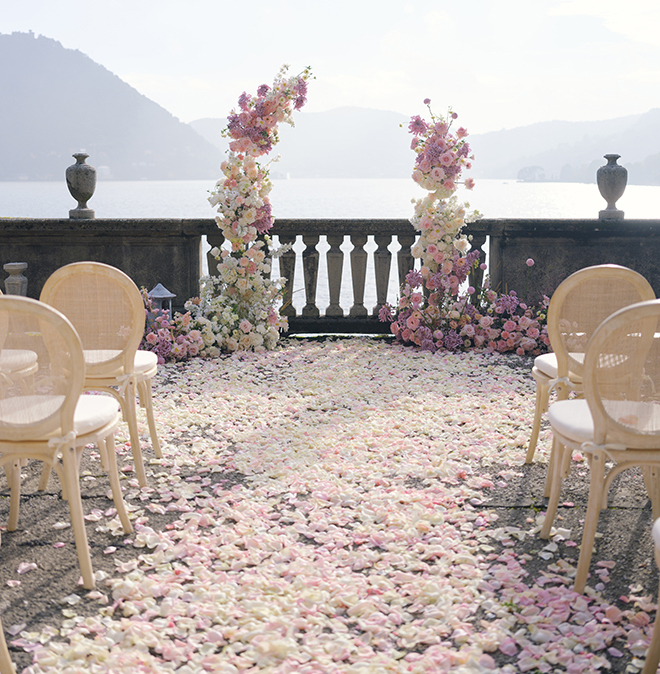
(435, 311)
(237, 310)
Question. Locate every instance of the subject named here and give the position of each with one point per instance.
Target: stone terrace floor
(333, 506)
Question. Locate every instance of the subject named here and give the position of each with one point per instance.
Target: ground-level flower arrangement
(437, 310)
(239, 306)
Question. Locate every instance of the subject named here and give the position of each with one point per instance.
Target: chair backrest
(582, 302)
(106, 308)
(48, 410)
(621, 377)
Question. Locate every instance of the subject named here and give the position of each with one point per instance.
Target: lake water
(325, 198)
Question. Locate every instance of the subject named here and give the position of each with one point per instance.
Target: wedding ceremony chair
(653, 654)
(17, 365)
(617, 422)
(6, 665)
(577, 307)
(107, 309)
(55, 422)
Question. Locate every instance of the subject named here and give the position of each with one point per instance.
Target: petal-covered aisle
(331, 518)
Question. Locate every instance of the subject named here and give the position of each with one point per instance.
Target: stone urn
(81, 181)
(611, 180)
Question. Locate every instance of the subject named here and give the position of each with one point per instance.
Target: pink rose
(412, 322)
(447, 159)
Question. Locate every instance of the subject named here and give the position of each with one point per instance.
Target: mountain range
(57, 101)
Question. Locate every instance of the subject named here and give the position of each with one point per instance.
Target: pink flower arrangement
(171, 339)
(236, 310)
(433, 312)
(455, 321)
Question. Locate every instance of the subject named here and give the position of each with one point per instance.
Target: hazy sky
(498, 63)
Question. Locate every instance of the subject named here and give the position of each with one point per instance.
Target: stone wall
(167, 251)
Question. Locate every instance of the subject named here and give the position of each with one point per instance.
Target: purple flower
(453, 341)
(414, 278)
(417, 125)
(263, 89)
(243, 101)
(264, 219)
(385, 313)
(428, 345)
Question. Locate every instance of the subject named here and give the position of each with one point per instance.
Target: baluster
(264, 248)
(358, 273)
(382, 265)
(215, 240)
(288, 271)
(404, 258)
(310, 259)
(476, 276)
(335, 261)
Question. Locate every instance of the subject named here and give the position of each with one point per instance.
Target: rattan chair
(617, 422)
(6, 665)
(653, 654)
(16, 365)
(107, 310)
(578, 306)
(55, 422)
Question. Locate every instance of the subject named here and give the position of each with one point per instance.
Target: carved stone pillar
(335, 261)
(358, 273)
(310, 260)
(382, 265)
(288, 271)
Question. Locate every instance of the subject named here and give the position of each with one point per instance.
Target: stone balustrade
(170, 252)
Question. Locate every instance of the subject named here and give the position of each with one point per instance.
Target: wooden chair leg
(71, 477)
(6, 665)
(13, 473)
(653, 654)
(552, 468)
(542, 397)
(651, 475)
(45, 478)
(130, 415)
(591, 519)
(113, 476)
(555, 478)
(146, 401)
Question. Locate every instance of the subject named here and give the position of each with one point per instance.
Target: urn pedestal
(81, 181)
(611, 180)
(16, 283)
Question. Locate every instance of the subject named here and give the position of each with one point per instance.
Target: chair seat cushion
(145, 361)
(572, 419)
(547, 364)
(92, 413)
(14, 360)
